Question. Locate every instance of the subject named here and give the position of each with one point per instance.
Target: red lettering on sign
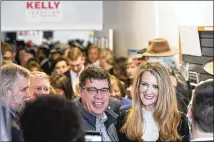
(49, 5)
(56, 4)
(37, 5)
(29, 5)
(43, 5)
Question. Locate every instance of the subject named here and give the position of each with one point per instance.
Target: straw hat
(160, 47)
(208, 67)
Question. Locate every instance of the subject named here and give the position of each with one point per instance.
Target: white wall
(174, 14)
(126, 18)
(76, 15)
(136, 22)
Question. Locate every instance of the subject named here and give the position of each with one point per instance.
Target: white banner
(43, 11)
(35, 36)
(190, 42)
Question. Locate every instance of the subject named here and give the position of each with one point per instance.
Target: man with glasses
(39, 84)
(76, 62)
(94, 90)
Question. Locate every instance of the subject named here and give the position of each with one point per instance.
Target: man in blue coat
(14, 90)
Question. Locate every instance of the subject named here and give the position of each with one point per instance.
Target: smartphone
(93, 136)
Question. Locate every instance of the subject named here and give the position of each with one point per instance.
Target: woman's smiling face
(148, 90)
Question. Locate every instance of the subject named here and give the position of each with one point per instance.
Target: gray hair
(168, 61)
(9, 75)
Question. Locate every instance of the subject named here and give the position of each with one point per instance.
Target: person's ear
(8, 92)
(190, 113)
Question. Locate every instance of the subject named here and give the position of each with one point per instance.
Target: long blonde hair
(166, 114)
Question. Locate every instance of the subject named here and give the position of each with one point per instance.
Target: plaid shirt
(100, 127)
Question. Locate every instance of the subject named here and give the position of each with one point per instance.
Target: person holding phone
(95, 90)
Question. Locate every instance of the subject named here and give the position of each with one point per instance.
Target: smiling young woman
(154, 115)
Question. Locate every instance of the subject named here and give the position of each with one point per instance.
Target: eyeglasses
(40, 88)
(94, 91)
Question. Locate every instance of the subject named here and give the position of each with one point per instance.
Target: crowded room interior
(106, 71)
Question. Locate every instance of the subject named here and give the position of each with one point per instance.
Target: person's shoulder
(115, 101)
(76, 100)
(124, 114)
(126, 100)
(183, 128)
(67, 73)
(114, 104)
(109, 112)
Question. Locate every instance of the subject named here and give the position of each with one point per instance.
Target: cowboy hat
(159, 47)
(208, 67)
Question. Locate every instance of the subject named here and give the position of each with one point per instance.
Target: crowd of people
(58, 92)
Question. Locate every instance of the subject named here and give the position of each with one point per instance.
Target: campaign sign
(43, 11)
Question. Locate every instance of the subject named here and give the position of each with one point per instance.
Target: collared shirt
(100, 127)
(74, 79)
